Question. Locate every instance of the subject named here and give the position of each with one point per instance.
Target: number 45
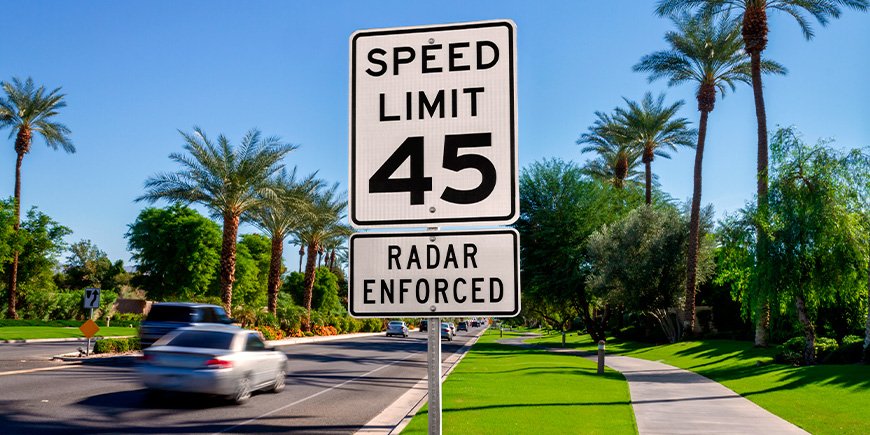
(417, 184)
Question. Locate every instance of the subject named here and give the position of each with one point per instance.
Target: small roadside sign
(89, 328)
(92, 298)
(426, 274)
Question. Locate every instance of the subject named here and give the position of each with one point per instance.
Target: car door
(257, 357)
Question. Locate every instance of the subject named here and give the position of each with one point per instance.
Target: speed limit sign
(433, 125)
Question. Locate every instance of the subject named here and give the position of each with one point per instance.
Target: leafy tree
(278, 215)
(228, 181)
(252, 266)
(754, 28)
(26, 110)
(40, 240)
(323, 223)
(618, 158)
(176, 250)
(560, 208)
(652, 127)
(708, 54)
(817, 227)
(88, 266)
(325, 293)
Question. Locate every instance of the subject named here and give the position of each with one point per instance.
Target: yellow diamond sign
(89, 328)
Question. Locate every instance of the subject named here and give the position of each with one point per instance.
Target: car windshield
(202, 339)
(170, 313)
(445, 325)
(395, 323)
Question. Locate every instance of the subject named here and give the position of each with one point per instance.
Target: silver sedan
(224, 360)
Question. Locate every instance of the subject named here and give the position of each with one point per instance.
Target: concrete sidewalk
(669, 400)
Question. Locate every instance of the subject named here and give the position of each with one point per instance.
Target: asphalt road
(333, 387)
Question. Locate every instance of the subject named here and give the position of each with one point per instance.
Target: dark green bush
(116, 345)
(792, 351)
(849, 352)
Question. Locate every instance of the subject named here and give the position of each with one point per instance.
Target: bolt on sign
(433, 126)
(450, 273)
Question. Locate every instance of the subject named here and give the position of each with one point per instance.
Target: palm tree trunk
(301, 255)
(763, 321)
(694, 224)
(16, 225)
(228, 259)
(648, 167)
(310, 275)
(275, 272)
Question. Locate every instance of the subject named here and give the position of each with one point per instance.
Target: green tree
(277, 216)
(652, 126)
(709, 54)
(228, 181)
(26, 110)
(176, 251)
(618, 159)
(324, 222)
(639, 263)
(40, 240)
(754, 28)
(252, 267)
(324, 294)
(560, 208)
(86, 265)
(816, 226)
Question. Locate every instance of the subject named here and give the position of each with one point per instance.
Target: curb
(413, 399)
(61, 340)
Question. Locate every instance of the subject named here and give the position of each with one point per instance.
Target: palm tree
(754, 30)
(279, 213)
(617, 159)
(651, 126)
(25, 110)
(322, 224)
(710, 55)
(226, 180)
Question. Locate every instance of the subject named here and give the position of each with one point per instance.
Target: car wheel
(278, 386)
(243, 391)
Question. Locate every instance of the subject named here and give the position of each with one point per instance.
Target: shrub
(791, 352)
(270, 332)
(116, 345)
(849, 352)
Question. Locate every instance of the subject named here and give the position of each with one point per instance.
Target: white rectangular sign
(433, 137)
(434, 274)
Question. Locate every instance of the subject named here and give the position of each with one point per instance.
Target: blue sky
(136, 72)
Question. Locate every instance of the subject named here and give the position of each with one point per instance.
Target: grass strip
(822, 399)
(504, 389)
(34, 332)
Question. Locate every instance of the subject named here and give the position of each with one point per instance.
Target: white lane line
(317, 394)
(43, 369)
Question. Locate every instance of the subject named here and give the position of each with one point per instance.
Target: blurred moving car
(445, 331)
(424, 325)
(168, 316)
(452, 328)
(397, 327)
(475, 324)
(462, 326)
(213, 359)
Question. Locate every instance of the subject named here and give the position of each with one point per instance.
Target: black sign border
(504, 220)
(516, 268)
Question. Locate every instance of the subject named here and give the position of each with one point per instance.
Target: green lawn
(821, 399)
(32, 332)
(502, 389)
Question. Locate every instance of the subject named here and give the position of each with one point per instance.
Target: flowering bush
(325, 330)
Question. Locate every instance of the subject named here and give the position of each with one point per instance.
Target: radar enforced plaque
(454, 273)
(433, 135)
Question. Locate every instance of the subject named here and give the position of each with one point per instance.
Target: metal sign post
(91, 301)
(433, 358)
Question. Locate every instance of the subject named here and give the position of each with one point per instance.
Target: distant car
(475, 324)
(462, 326)
(397, 327)
(445, 331)
(452, 328)
(424, 325)
(213, 359)
(165, 317)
